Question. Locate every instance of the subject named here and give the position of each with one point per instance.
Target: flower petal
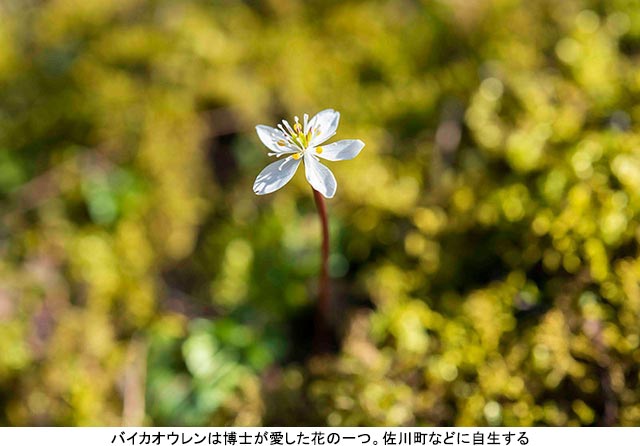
(340, 150)
(275, 175)
(274, 139)
(319, 176)
(324, 126)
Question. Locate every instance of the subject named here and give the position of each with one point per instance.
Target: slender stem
(322, 314)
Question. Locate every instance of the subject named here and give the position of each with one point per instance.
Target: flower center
(300, 134)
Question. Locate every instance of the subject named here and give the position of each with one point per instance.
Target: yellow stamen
(319, 149)
(281, 143)
(296, 156)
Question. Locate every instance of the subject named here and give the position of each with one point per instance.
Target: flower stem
(321, 342)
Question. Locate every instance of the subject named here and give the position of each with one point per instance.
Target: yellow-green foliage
(484, 244)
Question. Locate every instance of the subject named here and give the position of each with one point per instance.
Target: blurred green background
(484, 244)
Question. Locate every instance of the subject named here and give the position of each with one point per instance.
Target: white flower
(302, 141)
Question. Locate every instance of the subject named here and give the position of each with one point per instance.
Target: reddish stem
(322, 315)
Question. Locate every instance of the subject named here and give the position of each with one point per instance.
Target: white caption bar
(314, 436)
